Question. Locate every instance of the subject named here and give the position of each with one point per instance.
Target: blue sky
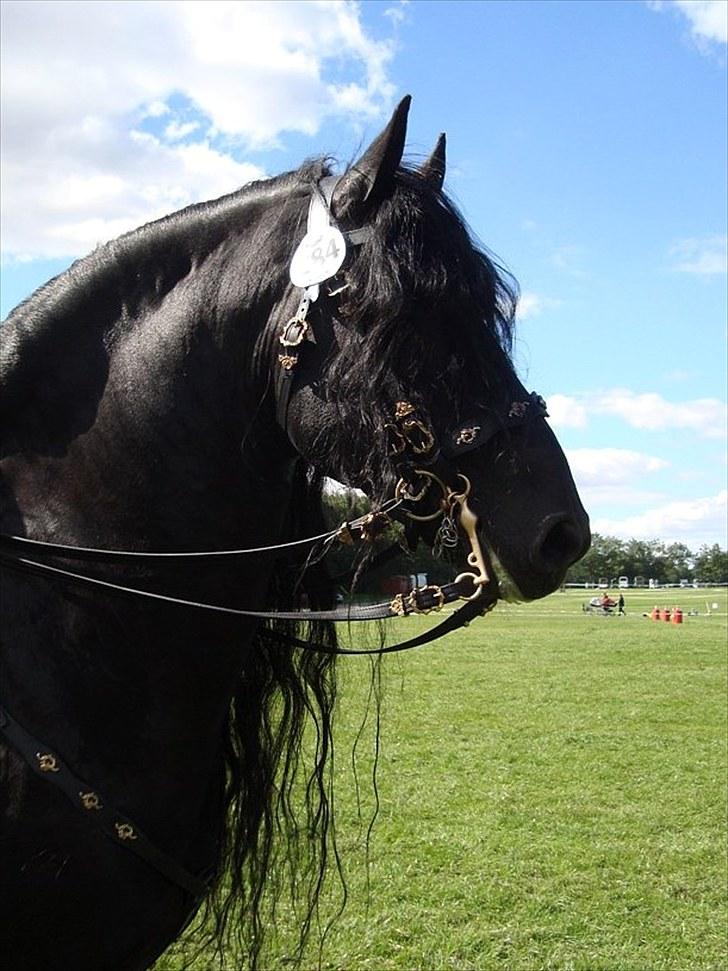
(586, 147)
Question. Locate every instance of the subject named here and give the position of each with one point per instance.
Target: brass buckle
(430, 588)
(294, 332)
(405, 604)
(398, 606)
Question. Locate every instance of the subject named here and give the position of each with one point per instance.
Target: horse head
(406, 385)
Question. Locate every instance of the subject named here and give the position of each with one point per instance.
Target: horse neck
(148, 360)
(130, 399)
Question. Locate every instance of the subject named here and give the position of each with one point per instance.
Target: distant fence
(654, 585)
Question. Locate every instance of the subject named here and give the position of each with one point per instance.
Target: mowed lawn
(552, 791)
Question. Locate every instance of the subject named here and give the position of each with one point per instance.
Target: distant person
(620, 606)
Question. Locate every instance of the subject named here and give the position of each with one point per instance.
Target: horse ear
(433, 170)
(368, 180)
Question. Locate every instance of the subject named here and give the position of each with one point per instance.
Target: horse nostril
(561, 543)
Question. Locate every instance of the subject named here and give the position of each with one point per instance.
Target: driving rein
(426, 478)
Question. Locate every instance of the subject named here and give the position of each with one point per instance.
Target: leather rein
(425, 479)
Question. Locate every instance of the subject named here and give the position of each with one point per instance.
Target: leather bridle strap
(113, 824)
(457, 619)
(421, 600)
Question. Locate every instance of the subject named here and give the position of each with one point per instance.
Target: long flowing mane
(267, 835)
(406, 293)
(281, 695)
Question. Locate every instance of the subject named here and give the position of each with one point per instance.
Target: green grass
(553, 795)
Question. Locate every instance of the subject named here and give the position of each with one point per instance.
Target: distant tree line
(608, 558)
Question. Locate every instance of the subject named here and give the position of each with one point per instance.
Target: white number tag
(318, 257)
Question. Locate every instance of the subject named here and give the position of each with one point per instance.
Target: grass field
(553, 795)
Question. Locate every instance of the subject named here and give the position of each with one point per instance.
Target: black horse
(173, 391)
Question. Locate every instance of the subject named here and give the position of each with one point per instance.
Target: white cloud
(611, 466)
(176, 130)
(706, 256)
(397, 13)
(708, 19)
(566, 412)
(533, 304)
(67, 209)
(80, 78)
(692, 522)
(705, 417)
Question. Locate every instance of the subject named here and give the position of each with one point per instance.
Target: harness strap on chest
(113, 824)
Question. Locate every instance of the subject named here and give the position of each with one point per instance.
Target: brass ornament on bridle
(408, 432)
(47, 762)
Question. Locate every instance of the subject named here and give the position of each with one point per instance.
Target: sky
(586, 149)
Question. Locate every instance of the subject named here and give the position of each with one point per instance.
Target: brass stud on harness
(466, 436)
(90, 800)
(47, 762)
(288, 361)
(409, 432)
(124, 831)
